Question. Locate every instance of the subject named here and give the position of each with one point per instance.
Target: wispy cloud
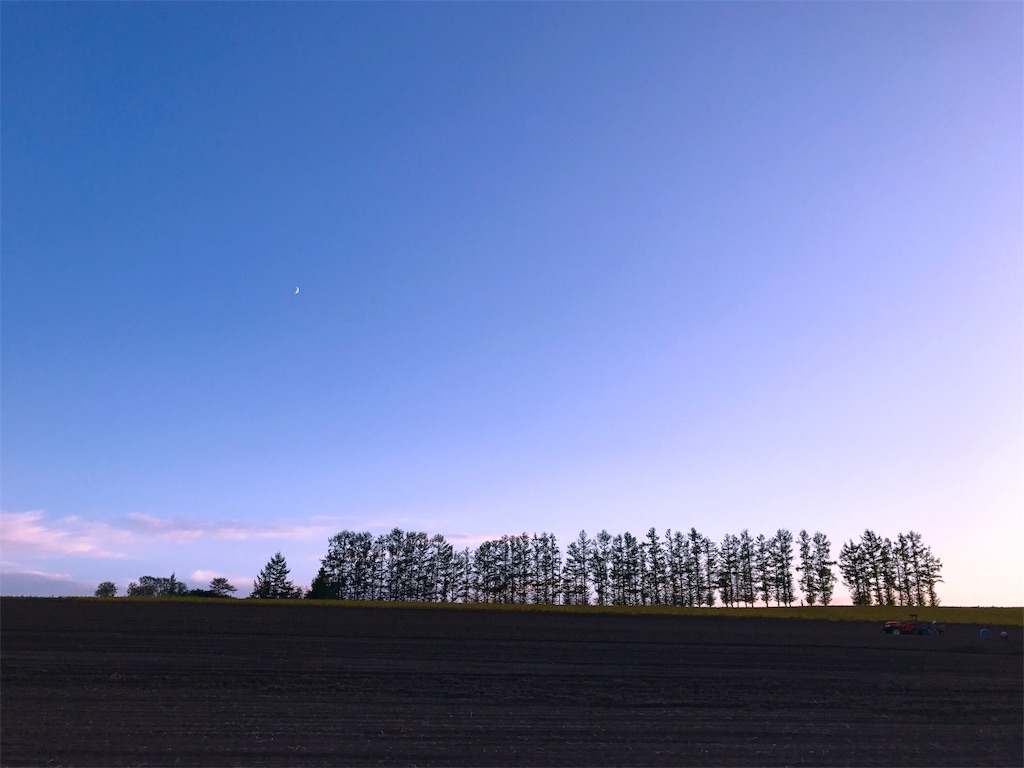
(26, 532)
(243, 532)
(188, 531)
(30, 533)
(38, 574)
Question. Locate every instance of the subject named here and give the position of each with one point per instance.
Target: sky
(559, 266)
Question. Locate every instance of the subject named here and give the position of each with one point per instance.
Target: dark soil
(90, 682)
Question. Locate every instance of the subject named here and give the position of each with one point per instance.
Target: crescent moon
(296, 290)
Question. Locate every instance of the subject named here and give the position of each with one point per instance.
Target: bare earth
(162, 683)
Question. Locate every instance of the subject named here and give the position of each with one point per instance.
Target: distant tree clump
(106, 589)
(273, 583)
(219, 587)
(155, 586)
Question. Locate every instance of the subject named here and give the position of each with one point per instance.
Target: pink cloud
(31, 533)
(243, 531)
(26, 532)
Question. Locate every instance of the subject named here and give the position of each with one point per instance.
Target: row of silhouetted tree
(679, 569)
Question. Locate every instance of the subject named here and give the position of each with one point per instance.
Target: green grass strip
(992, 615)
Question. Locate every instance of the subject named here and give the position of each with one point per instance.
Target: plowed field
(90, 682)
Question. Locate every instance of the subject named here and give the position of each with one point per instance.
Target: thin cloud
(26, 532)
(188, 531)
(244, 531)
(30, 533)
(181, 532)
(37, 574)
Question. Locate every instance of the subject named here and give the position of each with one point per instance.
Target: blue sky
(561, 266)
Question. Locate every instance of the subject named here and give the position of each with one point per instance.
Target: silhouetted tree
(575, 571)
(600, 563)
(728, 582)
(378, 569)
(709, 556)
(822, 562)
(808, 580)
(632, 570)
(874, 562)
(693, 573)
(106, 589)
(903, 570)
(520, 571)
(675, 565)
(764, 580)
(273, 583)
(655, 570)
(748, 589)
(420, 556)
(853, 565)
(221, 587)
(443, 561)
(617, 572)
(929, 575)
(462, 567)
(489, 571)
(887, 568)
(547, 569)
(781, 557)
(321, 588)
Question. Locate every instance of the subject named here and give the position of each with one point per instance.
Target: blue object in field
(984, 634)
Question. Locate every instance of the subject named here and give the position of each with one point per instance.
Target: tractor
(912, 626)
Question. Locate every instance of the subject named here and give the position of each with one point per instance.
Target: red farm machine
(912, 626)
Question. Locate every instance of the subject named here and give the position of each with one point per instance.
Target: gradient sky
(562, 266)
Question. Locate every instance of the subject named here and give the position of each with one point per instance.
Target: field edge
(980, 615)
